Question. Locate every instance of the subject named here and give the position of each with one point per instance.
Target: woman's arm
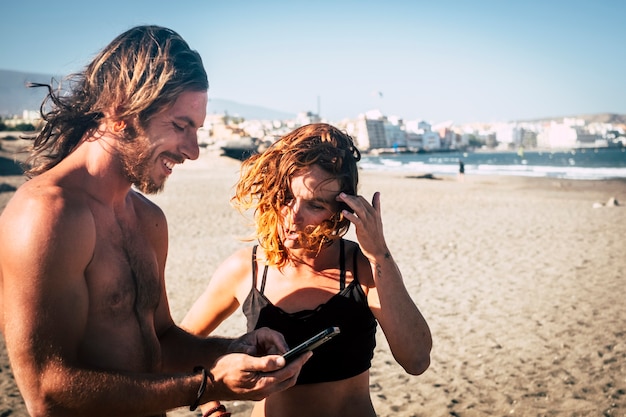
(405, 328)
(222, 295)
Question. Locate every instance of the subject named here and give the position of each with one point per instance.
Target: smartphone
(312, 343)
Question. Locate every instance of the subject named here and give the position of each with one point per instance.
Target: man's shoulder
(46, 208)
(144, 205)
(41, 218)
(41, 195)
(150, 216)
(32, 195)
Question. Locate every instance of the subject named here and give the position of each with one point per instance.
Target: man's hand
(260, 342)
(243, 377)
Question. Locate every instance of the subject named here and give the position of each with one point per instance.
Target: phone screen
(312, 343)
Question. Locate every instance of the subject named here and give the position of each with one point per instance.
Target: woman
(304, 277)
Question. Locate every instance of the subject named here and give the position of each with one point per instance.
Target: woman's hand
(368, 224)
(214, 409)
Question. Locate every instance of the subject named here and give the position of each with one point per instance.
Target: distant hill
(15, 97)
(612, 118)
(248, 112)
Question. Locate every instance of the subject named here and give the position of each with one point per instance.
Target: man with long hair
(83, 305)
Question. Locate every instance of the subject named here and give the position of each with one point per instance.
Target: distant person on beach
(461, 170)
(83, 304)
(303, 277)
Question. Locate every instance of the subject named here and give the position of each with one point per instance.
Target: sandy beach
(521, 280)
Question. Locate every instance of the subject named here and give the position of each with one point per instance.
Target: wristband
(205, 377)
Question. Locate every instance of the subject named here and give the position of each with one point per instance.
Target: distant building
(586, 139)
(305, 118)
(457, 140)
(424, 126)
(557, 135)
(220, 127)
(421, 137)
(29, 117)
(431, 141)
(370, 134)
(395, 135)
(506, 135)
(414, 141)
(529, 138)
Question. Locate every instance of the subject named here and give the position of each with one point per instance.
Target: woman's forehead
(315, 181)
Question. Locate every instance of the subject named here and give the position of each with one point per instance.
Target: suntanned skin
(310, 280)
(83, 304)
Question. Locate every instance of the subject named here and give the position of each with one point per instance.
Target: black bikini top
(346, 355)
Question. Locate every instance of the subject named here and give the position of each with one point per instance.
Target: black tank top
(346, 355)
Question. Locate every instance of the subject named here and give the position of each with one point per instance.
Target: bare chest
(125, 288)
(124, 274)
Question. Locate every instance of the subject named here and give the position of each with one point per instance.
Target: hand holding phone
(312, 343)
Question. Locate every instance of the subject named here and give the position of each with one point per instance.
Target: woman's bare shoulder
(236, 266)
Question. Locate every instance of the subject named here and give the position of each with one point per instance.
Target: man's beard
(136, 157)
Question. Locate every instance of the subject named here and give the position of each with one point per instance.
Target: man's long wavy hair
(265, 184)
(139, 74)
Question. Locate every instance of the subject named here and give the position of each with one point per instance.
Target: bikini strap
(254, 269)
(263, 280)
(355, 261)
(254, 266)
(342, 266)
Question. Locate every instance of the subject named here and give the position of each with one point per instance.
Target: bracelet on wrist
(203, 384)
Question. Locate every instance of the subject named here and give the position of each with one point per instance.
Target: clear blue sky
(431, 60)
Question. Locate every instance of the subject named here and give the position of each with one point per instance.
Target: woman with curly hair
(304, 277)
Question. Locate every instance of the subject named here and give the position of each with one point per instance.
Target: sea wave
(591, 165)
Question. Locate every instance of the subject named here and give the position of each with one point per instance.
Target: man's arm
(249, 367)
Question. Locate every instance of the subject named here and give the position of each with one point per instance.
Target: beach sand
(520, 279)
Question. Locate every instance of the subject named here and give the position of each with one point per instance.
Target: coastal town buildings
(376, 132)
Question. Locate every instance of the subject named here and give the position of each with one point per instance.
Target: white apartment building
(370, 134)
(431, 141)
(421, 136)
(394, 133)
(557, 135)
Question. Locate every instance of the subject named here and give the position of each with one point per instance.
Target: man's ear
(119, 126)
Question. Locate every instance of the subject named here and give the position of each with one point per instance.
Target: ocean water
(579, 164)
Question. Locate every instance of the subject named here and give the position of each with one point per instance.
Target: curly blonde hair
(265, 183)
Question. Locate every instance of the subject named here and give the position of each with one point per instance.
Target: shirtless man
(83, 305)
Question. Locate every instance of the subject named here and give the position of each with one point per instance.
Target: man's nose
(190, 148)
